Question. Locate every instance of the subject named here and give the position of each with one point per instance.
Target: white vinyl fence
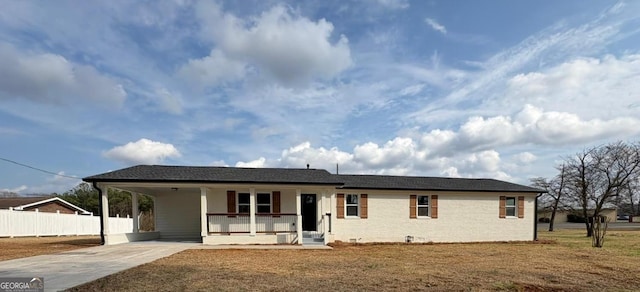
(29, 223)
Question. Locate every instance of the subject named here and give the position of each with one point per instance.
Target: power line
(38, 169)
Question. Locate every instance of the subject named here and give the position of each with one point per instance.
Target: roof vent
(307, 165)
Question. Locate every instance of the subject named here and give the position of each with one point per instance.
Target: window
(243, 203)
(263, 204)
(510, 207)
(351, 204)
(423, 206)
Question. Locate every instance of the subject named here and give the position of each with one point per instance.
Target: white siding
(178, 215)
(462, 217)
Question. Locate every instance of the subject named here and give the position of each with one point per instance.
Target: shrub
(575, 218)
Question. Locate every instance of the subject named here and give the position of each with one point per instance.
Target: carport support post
(204, 230)
(252, 211)
(104, 198)
(134, 212)
(299, 215)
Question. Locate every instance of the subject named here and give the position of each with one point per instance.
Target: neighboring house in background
(227, 205)
(42, 204)
(562, 215)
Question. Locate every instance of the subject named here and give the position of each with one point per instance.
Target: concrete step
(312, 241)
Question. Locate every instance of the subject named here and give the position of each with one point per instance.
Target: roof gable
(20, 203)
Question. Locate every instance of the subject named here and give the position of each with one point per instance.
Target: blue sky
(499, 89)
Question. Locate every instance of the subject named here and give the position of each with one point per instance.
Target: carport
(176, 212)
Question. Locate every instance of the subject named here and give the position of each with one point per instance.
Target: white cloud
(535, 126)
(435, 25)
(52, 184)
(258, 163)
(473, 150)
(170, 102)
(525, 157)
(14, 190)
(552, 45)
(51, 78)
(219, 163)
(400, 156)
(302, 154)
(143, 151)
(213, 69)
(394, 4)
(592, 87)
(279, 44)
(392, 154)
(412, 90)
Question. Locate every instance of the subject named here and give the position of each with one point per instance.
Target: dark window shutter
(340, 206)
(503, 209)
(412, 206)
(364, 206)
(231, 201)
(434, 206)
(276, 202)
(521, 207)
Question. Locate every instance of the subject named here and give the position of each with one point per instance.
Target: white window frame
(514, 207)
(238, 204)
(347, 205)
(428, 206)
(270, 203)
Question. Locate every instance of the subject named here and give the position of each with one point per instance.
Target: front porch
(265, 215)
(230, 214)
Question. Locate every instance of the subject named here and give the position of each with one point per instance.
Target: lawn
(20, 247)
(564, 260)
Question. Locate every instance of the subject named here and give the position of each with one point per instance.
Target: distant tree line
(86, 197)
(590, 180)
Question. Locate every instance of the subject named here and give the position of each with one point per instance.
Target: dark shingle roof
(211, 174)
(13, 202)
(383, 182)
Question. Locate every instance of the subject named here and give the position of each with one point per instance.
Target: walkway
(71, 268)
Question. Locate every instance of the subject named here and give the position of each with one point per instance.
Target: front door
(309, 209)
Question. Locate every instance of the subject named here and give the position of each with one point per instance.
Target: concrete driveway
(71, 268)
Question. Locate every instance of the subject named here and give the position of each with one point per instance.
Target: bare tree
(632, 198)
(598, 175)
(555, 188)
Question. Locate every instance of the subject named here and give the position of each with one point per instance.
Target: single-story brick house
(42, 204)
(228, 205)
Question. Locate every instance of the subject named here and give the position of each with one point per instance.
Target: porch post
(332, 208)
(252, 211)
(134, 212)
(299, 215)
(105, 213)
(204, 222)
(155, 212)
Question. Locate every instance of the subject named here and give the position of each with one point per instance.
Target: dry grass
(565, 261)
(20, 247)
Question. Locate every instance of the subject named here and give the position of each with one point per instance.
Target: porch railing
(227, 223)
